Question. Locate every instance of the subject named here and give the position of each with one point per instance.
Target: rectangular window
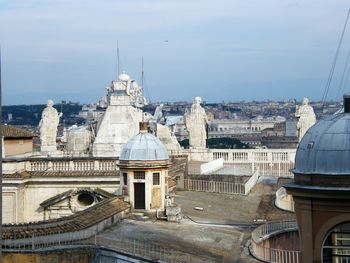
(125, 178)
(140, 175)
(156, 179)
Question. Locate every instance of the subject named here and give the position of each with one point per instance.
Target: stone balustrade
(269, 162)
(60, 164)
(254, 155)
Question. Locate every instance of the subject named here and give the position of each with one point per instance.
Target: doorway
(139, 195)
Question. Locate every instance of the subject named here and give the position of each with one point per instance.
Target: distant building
(282, 135)
(249, 131)
(16, 141)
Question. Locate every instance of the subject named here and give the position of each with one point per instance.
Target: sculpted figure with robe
(196, 121)
(48, 127)
(306, 118)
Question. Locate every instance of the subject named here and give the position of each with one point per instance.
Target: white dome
(325, 148)
(144, 147)
(124, 77)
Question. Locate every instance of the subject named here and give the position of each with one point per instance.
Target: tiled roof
(56, 198)
(79, 221)
(9, 131)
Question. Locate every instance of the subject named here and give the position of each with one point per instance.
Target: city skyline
(226, 50)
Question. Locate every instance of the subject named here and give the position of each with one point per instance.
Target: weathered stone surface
(121, 119)
(78, 139)
(170, 142)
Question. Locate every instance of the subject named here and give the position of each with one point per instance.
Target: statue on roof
(306, 117)
(196, 121)
(50, 119)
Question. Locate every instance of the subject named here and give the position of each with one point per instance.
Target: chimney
(347, 103)
(143, 127)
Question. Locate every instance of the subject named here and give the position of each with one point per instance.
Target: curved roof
(144, 147)
(325, 148)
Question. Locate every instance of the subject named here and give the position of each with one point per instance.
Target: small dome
(325, 148)
(124, 77)
(144, 147)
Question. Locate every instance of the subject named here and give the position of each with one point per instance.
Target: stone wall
(18, 146)
(66, 256)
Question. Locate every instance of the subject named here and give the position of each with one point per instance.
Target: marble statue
(306, 117)
(48, 127)
(195, 121)
(158, 127)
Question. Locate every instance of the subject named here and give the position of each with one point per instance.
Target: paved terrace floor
(222, 208)
(215, 233)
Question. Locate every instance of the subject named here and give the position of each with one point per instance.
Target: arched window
(336, 246)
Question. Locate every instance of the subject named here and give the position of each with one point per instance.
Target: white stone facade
(121, 119)
(154, 198)
(78, 140)
(22, 195)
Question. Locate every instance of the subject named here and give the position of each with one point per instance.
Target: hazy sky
(220, 50)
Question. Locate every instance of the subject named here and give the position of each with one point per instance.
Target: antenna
(118, 69)
(142, 81)
(329, 80)
(142, 73)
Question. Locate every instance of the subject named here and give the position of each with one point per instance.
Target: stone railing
(269, 254)
(270, 162)
(60, 164)
(214, 187)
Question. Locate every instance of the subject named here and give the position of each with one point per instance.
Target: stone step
(139, 216)
(138, 213)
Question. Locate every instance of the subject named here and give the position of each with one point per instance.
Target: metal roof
(144, 147)
(325, 148)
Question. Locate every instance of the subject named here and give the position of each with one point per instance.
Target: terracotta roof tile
(10, 131)
(76, 222)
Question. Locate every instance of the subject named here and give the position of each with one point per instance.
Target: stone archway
(325, 231)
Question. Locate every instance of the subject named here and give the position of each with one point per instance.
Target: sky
(223, 50)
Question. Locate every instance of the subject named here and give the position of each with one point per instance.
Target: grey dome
(325, 148)
(144, 147)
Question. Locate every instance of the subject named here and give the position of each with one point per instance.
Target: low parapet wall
(284, 201)
(211, 166)
(267, 253)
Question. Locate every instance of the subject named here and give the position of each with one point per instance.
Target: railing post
(33, 245)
